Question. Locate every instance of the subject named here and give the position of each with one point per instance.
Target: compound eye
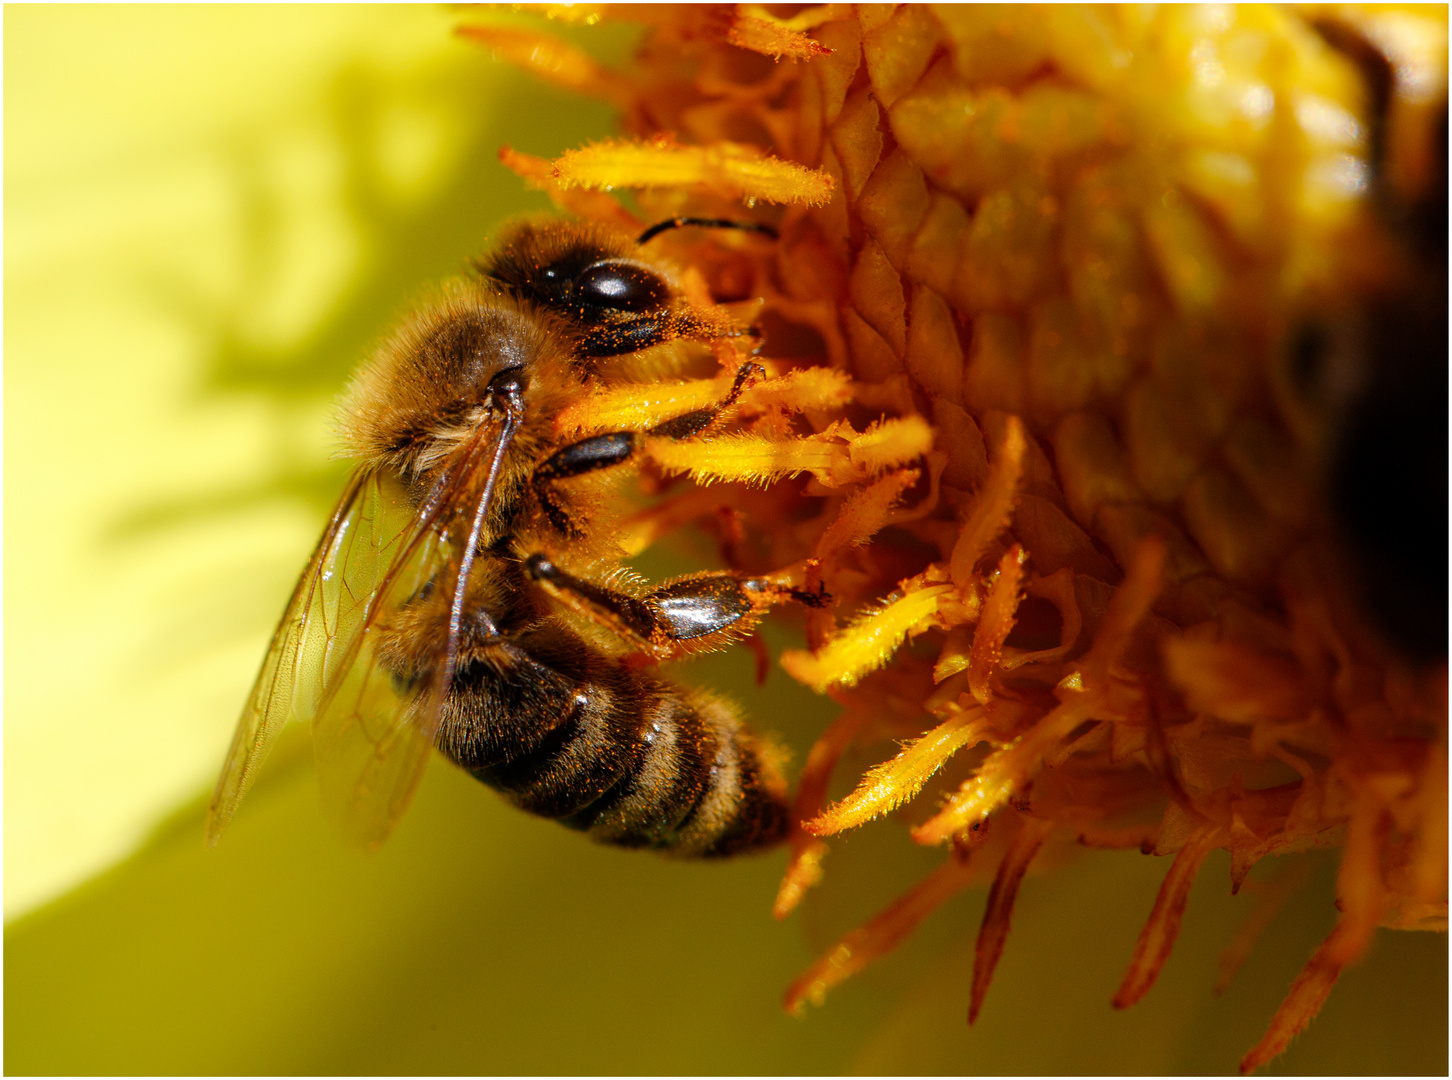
(621, 286)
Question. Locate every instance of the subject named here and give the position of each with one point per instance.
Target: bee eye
(621, 286)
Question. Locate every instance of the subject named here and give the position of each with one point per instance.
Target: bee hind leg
(682, 616)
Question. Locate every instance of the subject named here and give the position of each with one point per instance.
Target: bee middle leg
(680, 616)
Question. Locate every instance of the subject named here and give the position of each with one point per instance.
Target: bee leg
(700, 420)
(681, 616)
(642, 332)
(587, 455)
(603, 451)
(632, 335)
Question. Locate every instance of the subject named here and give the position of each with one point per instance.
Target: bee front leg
(681, 616)
(701, 420)
(633, 334)
(617, 447)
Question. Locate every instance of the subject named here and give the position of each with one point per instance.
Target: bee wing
(375, 727)
(379, 560)
(372, 735)
(324, 617)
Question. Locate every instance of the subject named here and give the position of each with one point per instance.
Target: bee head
(614, 300)
(583, 273)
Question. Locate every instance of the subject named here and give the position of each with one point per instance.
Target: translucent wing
(372, 734)
(367, 646)
(380, 713)
(323, 619)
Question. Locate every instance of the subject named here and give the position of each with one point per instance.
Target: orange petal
(752, 459)
(1127, 607)
(1159, 933)
(1273, 896)
(993, 506)
(855, 950)
(1307, 994)
(1360, 894)
(995, 623)
(1004, 772)
(889, 785)
(798, 389)
(956, 651)
(890, 443)
(539, 173)
(553, 60)
(755, 29)
(868, 643)
(804, 868)
(638, 406)
(864, 513)
(732, 169)
(999, 912)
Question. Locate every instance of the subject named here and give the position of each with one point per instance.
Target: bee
(1377, 367)
(435, 610)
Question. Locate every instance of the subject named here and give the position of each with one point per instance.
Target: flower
(1104, 598)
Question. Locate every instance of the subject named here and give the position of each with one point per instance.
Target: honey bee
(430, 614)
(1377, 367)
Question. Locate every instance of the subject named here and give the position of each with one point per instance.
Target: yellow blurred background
(210, 213)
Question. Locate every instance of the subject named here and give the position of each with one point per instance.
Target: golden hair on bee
(426, 387)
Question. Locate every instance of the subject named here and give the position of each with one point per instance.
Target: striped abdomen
(571, 734)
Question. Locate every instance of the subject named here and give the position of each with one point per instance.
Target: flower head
(1070, 507)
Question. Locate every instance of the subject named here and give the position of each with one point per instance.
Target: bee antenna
(705, 223)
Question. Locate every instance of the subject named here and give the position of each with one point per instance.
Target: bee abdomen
(703, 786)
(620, 755)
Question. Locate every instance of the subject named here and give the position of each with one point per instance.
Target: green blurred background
(210, 213)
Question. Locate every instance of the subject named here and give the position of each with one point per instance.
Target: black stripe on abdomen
(615, 752)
